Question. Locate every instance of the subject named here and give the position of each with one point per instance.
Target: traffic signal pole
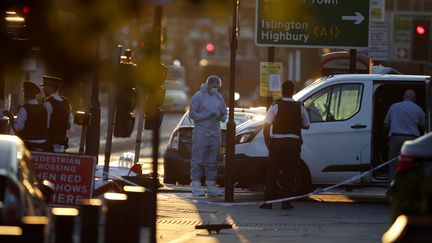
(156, 52)
(352, 61)
(270, 58)
(110, 127)
(231, 126)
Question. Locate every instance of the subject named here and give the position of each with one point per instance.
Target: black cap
(51, 80)
(30, 87)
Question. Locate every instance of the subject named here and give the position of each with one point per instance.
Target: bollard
(35, 229)
(89, 212)
(64, 224)
(138, 211)
(10, 234)
(115, 219)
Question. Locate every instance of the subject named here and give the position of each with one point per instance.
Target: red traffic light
(210, 47)
(26, 9)
(420, 29)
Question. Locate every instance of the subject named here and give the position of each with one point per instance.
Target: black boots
(284, 206)
(266, 206)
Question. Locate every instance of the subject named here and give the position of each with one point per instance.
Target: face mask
(213, 90)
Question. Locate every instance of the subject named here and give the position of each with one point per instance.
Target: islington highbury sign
(312, 23)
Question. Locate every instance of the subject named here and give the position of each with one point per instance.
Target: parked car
(178, 153)
(346, 135)
(20, 194)
(176, 90)
(175, 100)
(411, 190)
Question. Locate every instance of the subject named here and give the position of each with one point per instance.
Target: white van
(346, 136)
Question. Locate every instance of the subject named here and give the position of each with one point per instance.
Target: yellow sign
(271, 75)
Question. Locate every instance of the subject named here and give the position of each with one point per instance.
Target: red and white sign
(71, 174)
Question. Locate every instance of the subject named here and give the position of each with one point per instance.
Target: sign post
(313, 23)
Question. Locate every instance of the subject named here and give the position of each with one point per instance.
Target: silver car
(20, 193)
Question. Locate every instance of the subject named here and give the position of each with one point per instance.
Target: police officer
(59, 114)
(32, 119)
(286, 117)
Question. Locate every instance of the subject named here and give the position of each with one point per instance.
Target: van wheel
(301, 184)
(305, 181)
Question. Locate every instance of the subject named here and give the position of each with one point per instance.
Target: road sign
(312, 23)
(378, 46)
(271, 74)
(71, 174)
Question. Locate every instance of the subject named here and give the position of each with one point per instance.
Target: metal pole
(352, 63)
(141, 99)
(429, 104)
(93, 133)
(270, 58)
(230, 144)
(83, 138)
(157, 25)
(112, 100)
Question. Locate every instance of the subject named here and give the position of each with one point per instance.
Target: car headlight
(246, 136)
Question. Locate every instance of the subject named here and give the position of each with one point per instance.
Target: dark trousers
(282, 166)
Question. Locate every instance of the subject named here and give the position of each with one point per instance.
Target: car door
(340, 131)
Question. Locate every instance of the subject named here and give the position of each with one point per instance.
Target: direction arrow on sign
(358, 18)
(313, 23)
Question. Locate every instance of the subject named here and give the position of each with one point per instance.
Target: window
(336, 103)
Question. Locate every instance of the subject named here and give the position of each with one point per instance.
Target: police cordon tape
(316, 191)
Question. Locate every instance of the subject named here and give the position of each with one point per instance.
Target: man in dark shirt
(287, 117)
(32, 119)
(59, 115)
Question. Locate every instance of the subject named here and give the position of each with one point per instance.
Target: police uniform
(59, 116)
(287, 117)
(32, 119)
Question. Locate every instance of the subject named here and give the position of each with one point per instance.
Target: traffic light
(155, 99)
(210, 48)
(420, 43)
(126, 97)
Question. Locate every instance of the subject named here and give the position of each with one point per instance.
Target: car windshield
(308, 88)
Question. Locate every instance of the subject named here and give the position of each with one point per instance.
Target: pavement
(343, 214)
(360, 215)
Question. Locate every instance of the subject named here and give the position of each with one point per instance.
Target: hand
(211, 116)
(222, 118)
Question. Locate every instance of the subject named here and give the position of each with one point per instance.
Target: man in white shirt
(32, 119)
(59, 115)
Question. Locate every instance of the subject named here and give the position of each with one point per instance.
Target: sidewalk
(358, 216)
